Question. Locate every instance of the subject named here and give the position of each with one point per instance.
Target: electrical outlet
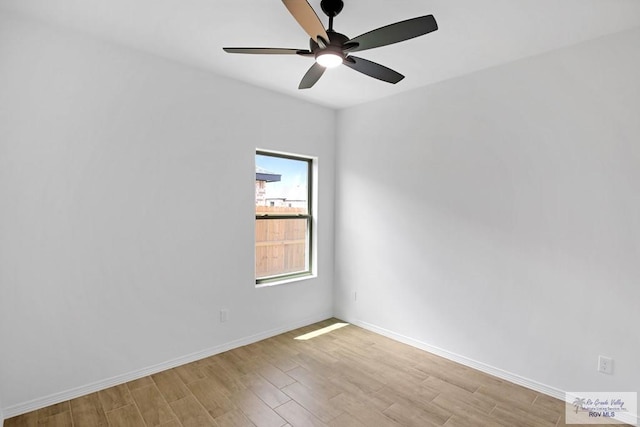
(605, 365)
(224, 315)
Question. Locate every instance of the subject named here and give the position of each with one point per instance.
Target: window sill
(286, 281)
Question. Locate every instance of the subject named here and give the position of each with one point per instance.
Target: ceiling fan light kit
(332, 49)
(329, 59)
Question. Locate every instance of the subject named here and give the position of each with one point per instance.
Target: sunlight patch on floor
(321, 331)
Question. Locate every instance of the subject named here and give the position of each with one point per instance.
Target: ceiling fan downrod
(331, 8)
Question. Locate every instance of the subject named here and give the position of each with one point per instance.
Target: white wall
(497, 216)
(126, 184)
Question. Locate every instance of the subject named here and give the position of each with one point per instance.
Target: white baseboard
(483, 367)
(52, 399)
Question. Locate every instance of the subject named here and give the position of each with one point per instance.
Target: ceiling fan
(331, 49)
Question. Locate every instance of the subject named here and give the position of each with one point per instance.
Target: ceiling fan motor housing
(336, 41)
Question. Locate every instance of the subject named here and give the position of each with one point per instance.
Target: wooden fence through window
(281, 244)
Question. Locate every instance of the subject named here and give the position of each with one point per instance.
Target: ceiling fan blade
(307, 18)
(373, 69)
(313, 75)
(266, 50)
(306, 53)
(394, 33)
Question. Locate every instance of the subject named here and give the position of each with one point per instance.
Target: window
(283, 217)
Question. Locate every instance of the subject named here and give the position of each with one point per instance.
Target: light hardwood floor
(347, 377)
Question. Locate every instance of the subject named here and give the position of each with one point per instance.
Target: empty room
(319, 213)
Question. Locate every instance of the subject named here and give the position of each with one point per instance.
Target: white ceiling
(473, 34)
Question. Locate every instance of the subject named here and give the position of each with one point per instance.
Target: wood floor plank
(29, 419)
(248, 352)
(458, 379)
(361, 412)
(125, 416)
(315, 360)
(508, 394)
(361, 364)
(410, 416)
(316, 381)
(462, 406)
(191, 372)
(426, 412)
(345, 420)
(476, 418)
(280, 356)
(392, 375)
(453, 396)
(115, 397)
(228, 382)
(233, 364)
(87, 411)
(352, 370)
(315, 401)
(297, 415)
(152, 406)
(547, 411)
(549, 405)
(54, 410)
(270, 394)
(234, 418)
(191, 413)
(374, 401)
(170, 385)
(211, 397)
(274, 375)
(521, 417)
(480, 420)
(142, 382)
(477, 376)
(406, 395)
(256, 410)
(62, 419)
